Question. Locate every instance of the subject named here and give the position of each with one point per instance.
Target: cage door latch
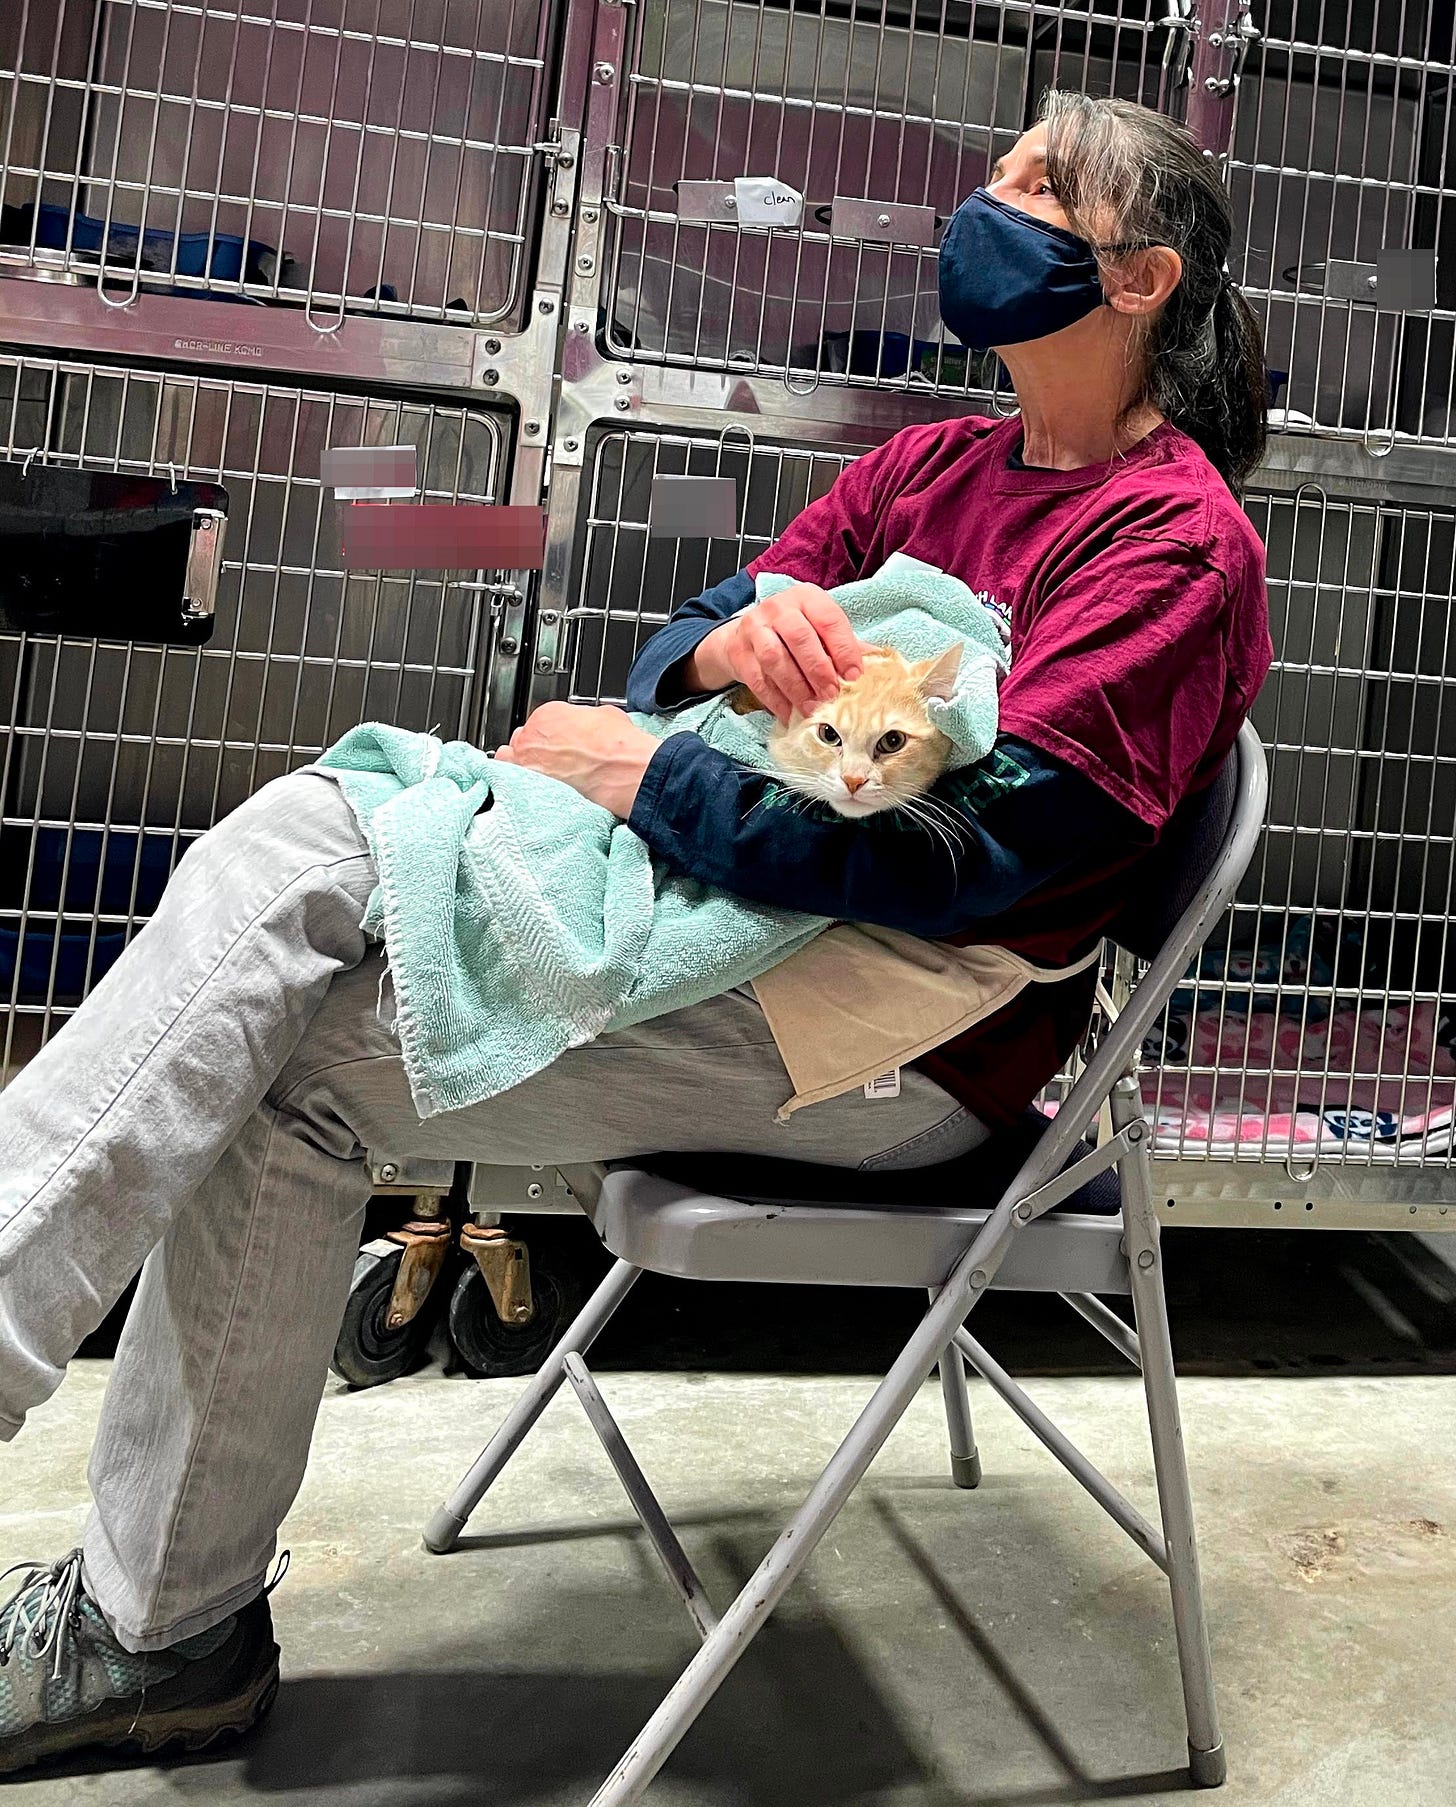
(204, 563)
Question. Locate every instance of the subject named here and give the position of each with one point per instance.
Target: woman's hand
(599, 751)
(791, 650)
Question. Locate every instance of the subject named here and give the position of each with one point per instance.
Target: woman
(214, 1101)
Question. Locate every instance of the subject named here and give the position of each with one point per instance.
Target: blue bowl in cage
(110, 875)
(215, 254)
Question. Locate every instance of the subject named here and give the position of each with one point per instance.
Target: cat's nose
(854, 784)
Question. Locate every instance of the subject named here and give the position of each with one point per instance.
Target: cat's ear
(936, 677)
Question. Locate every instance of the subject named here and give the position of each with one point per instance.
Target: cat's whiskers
(926, 819)
(952, 820)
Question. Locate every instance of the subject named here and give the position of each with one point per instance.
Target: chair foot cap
(1209, 1769)
(442, 1531)
(965, 1471)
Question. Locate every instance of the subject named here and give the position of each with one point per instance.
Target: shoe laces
(43, 1605)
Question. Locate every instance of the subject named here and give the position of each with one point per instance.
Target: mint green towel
(520, 920)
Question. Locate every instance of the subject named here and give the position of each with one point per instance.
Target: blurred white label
(765, 201)
(884, 1085)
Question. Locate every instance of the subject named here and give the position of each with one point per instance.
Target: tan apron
(858, 1002)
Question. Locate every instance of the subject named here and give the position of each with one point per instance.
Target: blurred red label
(441, 536)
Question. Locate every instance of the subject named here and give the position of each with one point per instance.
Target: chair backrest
(1176, 896)
(1164, 884)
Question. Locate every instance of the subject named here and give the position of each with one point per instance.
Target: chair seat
(741, 1217)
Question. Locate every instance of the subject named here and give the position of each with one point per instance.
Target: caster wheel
(367, 1353)
(490, 1348)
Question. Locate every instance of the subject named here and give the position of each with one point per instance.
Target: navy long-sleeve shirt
(1021, 818)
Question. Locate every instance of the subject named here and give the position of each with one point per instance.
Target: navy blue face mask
(1006, 277)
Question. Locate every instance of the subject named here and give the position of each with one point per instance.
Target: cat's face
(873, 746)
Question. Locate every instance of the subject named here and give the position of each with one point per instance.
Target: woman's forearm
(704, 670)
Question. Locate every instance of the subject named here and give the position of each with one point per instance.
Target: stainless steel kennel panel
(1319, 1031)
(881, 117)
(116, 753)
(336, 155)
(1344, 147)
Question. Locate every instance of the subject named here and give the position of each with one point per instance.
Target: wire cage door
(867, 126)
(1342, 172)
(1319, 1028)
(339, 156)
(115, 753)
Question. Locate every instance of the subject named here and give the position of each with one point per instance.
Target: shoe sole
(181, 1729)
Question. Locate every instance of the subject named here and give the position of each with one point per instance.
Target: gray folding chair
(723, 1218)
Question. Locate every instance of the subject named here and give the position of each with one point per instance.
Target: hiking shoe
(67, 1685)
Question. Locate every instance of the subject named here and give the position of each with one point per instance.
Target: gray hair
(1128, 177)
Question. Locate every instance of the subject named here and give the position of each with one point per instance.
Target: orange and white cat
(872, 746)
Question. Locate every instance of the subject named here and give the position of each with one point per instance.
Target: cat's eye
(827, 735)
(889, 743)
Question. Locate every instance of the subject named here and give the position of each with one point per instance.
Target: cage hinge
(560, 151)
(1241, 36)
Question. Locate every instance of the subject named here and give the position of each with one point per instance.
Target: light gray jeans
(208, 1112)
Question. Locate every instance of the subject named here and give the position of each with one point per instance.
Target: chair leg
(798, 1540)
(446, 1524)
(1206, 1760)
(965, 1458)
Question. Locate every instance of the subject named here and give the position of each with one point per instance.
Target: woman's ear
(936, 677)
(1143, 280)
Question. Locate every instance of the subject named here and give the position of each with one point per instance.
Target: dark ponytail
(1128, 176)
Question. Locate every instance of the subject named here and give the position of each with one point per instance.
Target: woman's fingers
(777, 663)
(752, 673)
(801, 636)
(835, 634)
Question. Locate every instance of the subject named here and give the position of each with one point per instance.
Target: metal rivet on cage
(490, 377)
(586, 263)
(604, 72)
(622, 403)
(533, 427)
(545, 305)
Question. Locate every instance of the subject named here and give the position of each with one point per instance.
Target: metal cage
(116, 753)
(345, 157)
(1320, 1028)
(1343, 151)
(881, 118)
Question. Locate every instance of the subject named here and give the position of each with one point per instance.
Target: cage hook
(734, 426)
(172, 474)
(30, 458)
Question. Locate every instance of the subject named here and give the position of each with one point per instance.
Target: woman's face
(1020, 179)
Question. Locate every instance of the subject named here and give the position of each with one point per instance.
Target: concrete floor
(1001, 1649)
